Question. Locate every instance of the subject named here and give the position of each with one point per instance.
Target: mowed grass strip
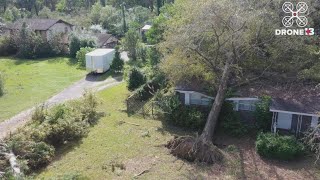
(130, 148)
(29, 82)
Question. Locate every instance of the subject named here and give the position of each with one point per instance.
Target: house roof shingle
(105, 39)
(36, 24)
(293, 97)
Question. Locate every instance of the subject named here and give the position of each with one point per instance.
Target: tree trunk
(212, 119)
(14, 164)
(36, 9)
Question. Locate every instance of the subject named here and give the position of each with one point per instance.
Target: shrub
(30, 45)
(1, 84)
(81, 55)
(74, 46)
(153, 56)
(76, 43)
(148, 90)
(54, 127)
(89, 107)
(40, 155)
(87, 43)
(56, 47)
(142, 52)
(39, 114)
(64, 130)
(179, 115)
(7, 46)
(230, 121)
(130, 43)
(117, 63)
(278, 147)
(262, 114)
(136, 79)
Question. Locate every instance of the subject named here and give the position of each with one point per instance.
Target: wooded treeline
(68, 6)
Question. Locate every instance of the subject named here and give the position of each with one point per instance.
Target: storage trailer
(99, 60)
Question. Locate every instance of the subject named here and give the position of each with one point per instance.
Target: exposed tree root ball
(193, 149)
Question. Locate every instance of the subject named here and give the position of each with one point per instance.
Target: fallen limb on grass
(8, 154)
(122, 122)
(142, 172)
(194, 149)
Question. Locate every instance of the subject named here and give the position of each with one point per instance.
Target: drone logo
(301, 8)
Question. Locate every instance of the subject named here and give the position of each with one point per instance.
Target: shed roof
(36, 24)
(100, 52)
(146, 27)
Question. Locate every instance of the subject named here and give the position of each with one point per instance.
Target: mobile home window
(247, 105)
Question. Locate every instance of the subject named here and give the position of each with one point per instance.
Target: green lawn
(137, 145)
(29, 82)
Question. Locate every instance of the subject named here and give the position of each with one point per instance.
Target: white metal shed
(99, 60)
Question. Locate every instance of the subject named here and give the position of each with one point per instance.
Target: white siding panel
(314, 121)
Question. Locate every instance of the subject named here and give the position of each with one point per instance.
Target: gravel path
(91, 82)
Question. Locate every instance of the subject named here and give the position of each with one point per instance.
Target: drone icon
(301, 21)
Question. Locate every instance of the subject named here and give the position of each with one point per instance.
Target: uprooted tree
(233, 41)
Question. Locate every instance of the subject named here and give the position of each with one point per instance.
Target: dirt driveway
(90, 82)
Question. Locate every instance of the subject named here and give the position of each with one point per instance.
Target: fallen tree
(10, 156)
(233, 42)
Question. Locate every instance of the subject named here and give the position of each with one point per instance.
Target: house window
(247, 105)
(197, 99)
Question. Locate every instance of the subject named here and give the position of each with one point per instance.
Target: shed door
(284, 121)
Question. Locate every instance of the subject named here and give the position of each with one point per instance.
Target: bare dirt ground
(90, 82)
(252, 166)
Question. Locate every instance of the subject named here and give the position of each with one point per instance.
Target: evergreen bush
(278, 147)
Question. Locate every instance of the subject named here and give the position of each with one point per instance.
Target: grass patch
(29, 82)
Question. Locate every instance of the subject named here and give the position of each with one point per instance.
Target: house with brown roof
(46, 28)
(106, 40)
(294, 108)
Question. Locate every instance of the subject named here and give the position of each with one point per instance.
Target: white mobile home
(99, 60)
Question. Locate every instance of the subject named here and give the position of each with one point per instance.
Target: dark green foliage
(27, 44)
(183, 116)
(150, 88)
(40, 154)
(7, 46)
(142, 52)
(155, 34)
(74, 45)
(262, 114)
(87, 43)
(81, 55)
(135, 79)
(130, 43)
(230, 121)
(117, 63)
(279, 147)
(1, 84)
(153, 56)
